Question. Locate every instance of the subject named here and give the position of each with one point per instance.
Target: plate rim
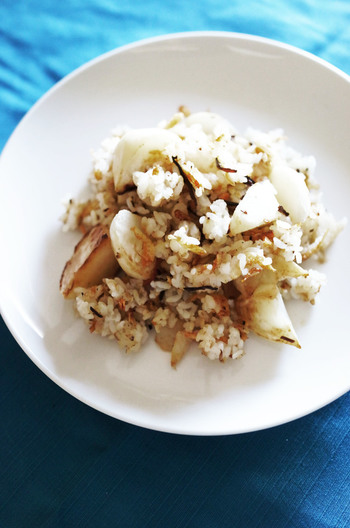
(173, 36)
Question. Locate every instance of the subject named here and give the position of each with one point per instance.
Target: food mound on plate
(199, 233)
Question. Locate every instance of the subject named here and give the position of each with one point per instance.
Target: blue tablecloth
(63, 464)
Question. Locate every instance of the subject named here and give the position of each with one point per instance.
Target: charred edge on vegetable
(224, 169)
(95, 312)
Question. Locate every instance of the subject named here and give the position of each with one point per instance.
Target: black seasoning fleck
(95, 312)
(287, 339)
(199, 288)
(249, 181)
(282, 210)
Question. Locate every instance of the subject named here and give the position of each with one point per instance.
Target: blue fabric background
(63, 464)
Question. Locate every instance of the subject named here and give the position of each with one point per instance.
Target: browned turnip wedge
(137, 150)
(93, 259)
(292, 192)
(165, 336)
(258, 207)
(173, 340)
(179, 349)
(265, 314)
(133, 249)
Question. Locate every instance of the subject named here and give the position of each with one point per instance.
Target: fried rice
(207, 231)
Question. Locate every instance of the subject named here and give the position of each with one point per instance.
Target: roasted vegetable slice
(181, 345)
(292, 192)
(93, 259)
(137, 151)
(258, 207)
(265, 314)
(133, 249)
(173, 340)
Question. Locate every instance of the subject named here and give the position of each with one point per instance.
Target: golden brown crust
(93, 259)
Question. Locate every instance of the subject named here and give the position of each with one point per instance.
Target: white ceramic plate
(251, 81)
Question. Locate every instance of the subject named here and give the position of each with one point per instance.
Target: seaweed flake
(185, 177)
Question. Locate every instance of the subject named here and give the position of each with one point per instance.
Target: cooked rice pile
(204, 231)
